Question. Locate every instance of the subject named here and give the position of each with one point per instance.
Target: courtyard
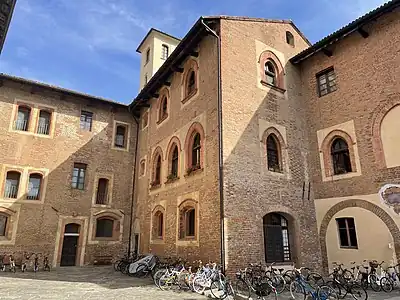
(99, 283)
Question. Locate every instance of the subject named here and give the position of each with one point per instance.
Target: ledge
(264, 83)
(161, 120)
(172, 180)
(154, 187)
(187, 98)
(194, 172)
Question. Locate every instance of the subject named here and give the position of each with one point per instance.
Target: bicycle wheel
(165, 282)
(327, 293)
(242, 289)
(340, 291)
(116, 265)
(199, 284)
(158, 275)
(217, 289)
(387, 284)
(374, 282)
(358, 292)
(278, 282)
(297, 291)
(315, 280)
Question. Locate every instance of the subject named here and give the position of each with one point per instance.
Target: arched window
(340, 157)
(34, 186)
(187, 222)
(276, 238)
(104, 227)
(157, 171)
(270, 72)
(3, 224)
(163, 108)
(44, 122)
(196, 151)
(158, 225)
(164, 52)
(273, 155)
(12, 184)
(175, 162)
(191, 83)
(23, 116)
(102, 191)
(289, 38)
(120, 136)
(142, 167)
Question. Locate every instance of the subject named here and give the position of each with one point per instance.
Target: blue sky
(89, 45)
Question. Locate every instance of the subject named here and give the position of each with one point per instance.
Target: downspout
(220, 145)
(133, 183)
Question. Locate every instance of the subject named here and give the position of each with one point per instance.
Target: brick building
(66, 173)
(257, 146)
(252, 146)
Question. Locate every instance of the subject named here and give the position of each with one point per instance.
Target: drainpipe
(133, 183)
(220, 144)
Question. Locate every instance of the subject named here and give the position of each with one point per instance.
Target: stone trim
(127, 135)
(326, 150)
(110, 178)
(378, 211)
(377, 117)
(116, 215)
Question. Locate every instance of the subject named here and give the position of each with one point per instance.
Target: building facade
(245, 144)
(66, 191)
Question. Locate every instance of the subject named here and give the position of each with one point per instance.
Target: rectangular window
(147, 55)
(86, 120)
(347, 232)
(164, 52)
(326, 81)
(78, 176)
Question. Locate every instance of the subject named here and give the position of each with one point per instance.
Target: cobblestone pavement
(98, 283)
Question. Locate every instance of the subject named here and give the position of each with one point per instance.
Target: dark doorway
(70, 245)
(276, 238)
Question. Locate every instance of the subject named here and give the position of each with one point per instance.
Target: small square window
(147, 55)
(326, 81)
(86, 120)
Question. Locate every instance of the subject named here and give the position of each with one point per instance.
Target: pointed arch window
(163, 113)
(191, 85)
(273, 153)
(174, 162)
(289, 38)
(340, 157)
(158, 224)
(157, 171)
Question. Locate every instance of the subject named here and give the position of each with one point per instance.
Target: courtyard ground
(98, 283)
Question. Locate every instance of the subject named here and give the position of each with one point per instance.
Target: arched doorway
(277, 238)
(70, 245)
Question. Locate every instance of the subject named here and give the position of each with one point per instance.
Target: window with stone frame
(142, 167)
(78, 176)
(86, 120)
(102, 191)
(340, 156)
(271, 71)
(22, 118)
(104, 227)
(273, 153)
(4, 219)
(326, 81)
(347, 233)
(187, 221)
(145, 119)
(12, 183)
(191, 83)
(34, 186)
(120, 136)
(158, 225)
(44, 122)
